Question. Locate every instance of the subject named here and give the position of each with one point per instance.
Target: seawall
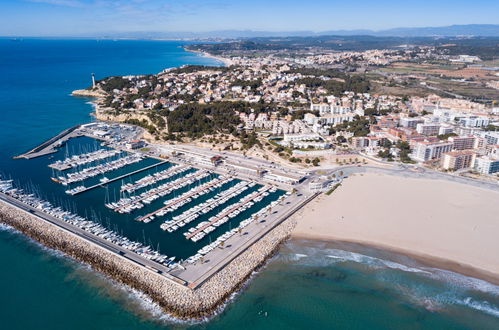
(178, 301)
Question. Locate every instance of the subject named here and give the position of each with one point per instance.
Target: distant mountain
(480, 30)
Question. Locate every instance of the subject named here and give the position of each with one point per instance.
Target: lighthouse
(93, 80)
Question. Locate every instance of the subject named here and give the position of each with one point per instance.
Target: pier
(50, 146)
(188, 195)
(226, 213)
(124, 205)
(102, 184)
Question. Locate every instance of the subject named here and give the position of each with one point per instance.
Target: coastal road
(412, 171)
(96, 240)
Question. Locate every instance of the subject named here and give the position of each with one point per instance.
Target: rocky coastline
(178, 301)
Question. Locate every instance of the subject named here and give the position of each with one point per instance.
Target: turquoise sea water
(309, 285)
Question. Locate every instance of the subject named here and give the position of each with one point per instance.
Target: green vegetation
(196, 120)
(330, 191)
(109, 84)
(354, 83)
(253, 84)
(445, 136)
(330, 73)
(359, 126)
(385, 154)
(248, 140)
(491, 128)
(405, 150)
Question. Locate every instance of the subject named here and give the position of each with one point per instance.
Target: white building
(486, 165)
(425, 151)
(428, 129)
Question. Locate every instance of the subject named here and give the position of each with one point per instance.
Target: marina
(93, 171)
(83, 159)
(203, 208)
(231, 211)
(215, 207)
(128, 204)
(187, 197)
(80, 189)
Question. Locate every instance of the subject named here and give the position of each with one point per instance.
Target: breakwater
(176, 300)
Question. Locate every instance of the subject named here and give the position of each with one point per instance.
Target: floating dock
(102, 184)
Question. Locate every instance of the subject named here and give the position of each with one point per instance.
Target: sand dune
(445, 223)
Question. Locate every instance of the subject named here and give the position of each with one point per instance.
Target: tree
(341, 139)
(316, 161)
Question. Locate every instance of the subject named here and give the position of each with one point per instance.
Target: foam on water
(431, 288)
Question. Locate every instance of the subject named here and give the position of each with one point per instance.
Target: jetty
(50, 146)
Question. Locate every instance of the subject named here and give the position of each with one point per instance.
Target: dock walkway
(102, 184)
(190, 194)
(229, 211)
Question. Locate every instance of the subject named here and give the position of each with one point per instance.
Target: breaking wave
(431, 288)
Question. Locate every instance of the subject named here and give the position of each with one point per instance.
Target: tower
(93, 80)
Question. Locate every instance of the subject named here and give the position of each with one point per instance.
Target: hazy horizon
(80, 18)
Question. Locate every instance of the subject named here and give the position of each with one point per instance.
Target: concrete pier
(50, 146)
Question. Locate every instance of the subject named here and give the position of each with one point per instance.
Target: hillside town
(311, 107)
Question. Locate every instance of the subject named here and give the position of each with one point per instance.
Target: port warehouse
(180, 243)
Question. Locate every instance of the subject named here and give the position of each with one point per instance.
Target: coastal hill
(484, 30)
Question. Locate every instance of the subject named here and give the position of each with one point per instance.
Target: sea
(307, 285)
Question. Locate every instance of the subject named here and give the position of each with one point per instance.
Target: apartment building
(426, 150)
(456, 160)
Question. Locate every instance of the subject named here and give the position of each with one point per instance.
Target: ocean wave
(483, 306)
(462, 281)
(324, 257)
(4, 227)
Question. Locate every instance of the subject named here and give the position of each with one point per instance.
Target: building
(456, 160)
(491, 137)
(428, 129)
(474, 121)
(445, 129)
(333, 119)
(426, 150)
(462, 142)
(135, 144)
(486, 165)
(410, 122)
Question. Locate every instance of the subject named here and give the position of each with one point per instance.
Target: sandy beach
(449, 225)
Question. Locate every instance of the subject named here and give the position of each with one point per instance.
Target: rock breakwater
(179, 301)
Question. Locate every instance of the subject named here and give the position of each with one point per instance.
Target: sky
(101, 17)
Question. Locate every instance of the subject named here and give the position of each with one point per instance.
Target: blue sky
(98, 17)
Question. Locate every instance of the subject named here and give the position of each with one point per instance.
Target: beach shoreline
(460, 243)
(224, 60)
(424, 260)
